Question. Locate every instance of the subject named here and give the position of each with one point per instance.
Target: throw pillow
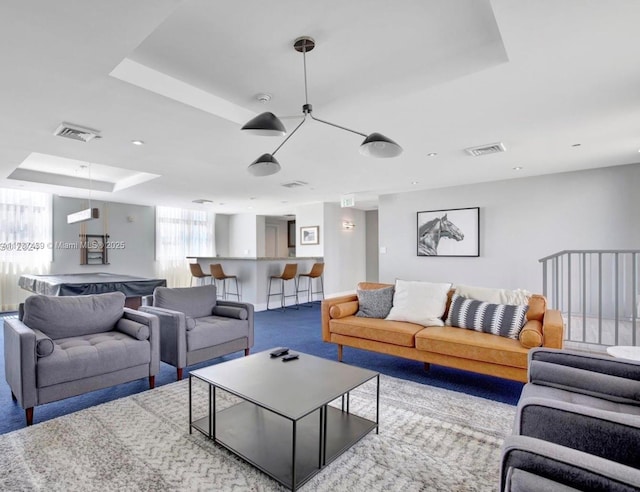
(494, 296)
(505, 320)
(422, 303)
(375, 303)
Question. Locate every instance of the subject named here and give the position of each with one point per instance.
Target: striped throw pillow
(504, 320)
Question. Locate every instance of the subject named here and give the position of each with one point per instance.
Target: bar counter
(253, 275)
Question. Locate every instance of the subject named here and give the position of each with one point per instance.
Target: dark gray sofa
(195, 326)
(577, 423)
(65, 346)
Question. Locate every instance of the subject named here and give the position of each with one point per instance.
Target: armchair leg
(247, 351)
(179, 373)
(152, 382)
(427, 366)
(13, 397)
(29, 414)
(339, 353)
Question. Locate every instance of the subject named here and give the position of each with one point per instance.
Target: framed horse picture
(451, 232)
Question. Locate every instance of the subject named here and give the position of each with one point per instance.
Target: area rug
(430, 439)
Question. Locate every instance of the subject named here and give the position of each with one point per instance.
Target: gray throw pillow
(375, 303)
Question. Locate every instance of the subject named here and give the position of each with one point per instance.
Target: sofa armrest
(173, 334)
(153, 323)
(553, 329)
(609, 434)
(590, 374)
(20, 361)
(530, 464)
(250, 315)
(326, 307)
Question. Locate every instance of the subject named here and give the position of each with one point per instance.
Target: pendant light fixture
(268, 124)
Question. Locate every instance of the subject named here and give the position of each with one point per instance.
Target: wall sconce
(347, 226)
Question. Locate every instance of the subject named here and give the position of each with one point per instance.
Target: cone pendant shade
(265, 165)
(265, 124)
(377, 145)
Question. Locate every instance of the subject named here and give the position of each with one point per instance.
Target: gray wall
(134, 225)
(371, 254)
(521, 221)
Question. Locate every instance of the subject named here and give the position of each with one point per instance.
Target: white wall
(136, 258)
(222, 235)
(521, 221)
(344, 250)
(243, 236)
(371, 248)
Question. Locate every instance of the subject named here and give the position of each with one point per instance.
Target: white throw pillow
(494, 296)
(422, 303)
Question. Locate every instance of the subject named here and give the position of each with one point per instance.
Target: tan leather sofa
(443, 345)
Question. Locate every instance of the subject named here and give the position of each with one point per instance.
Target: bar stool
(289, 273)
(316, 272)
(196, 272)
(217, 273)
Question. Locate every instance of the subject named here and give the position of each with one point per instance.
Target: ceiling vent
(76, 132)
(202, 201)
(494, 148)
(295, 184)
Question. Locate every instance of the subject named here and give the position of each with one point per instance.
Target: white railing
(598, 294)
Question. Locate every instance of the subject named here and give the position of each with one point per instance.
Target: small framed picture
(310, 235)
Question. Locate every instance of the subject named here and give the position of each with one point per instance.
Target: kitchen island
(253, 275)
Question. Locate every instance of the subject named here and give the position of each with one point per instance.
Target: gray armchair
(65, 346)
(583, 401)
(585, 408)
(533, 465)
(195, 326)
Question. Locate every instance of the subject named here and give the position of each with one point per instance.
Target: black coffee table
(284, 424)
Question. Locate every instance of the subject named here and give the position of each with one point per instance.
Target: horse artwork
(439, 224)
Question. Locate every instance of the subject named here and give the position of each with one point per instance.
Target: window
(181, 233)
(25, 241)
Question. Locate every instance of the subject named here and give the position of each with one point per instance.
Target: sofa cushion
(531, 334)
(91, 355)
(195, 302)
(132, 328)
(236, 312)
(375, 303)
(422, 303)
(505, 320)
(343, 309)
(214, 330)
(69, 316)
(494, 296)
(380, 330)
(471, 344)
(44, 344)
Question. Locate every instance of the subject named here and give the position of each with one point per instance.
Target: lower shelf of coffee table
(265, 439)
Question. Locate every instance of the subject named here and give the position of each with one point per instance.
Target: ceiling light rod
(268, 124)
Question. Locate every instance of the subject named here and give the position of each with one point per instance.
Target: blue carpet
(296, 329)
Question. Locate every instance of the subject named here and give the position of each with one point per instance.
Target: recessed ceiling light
(250, 208)
(517, 168)
(432, 154)
(263, 98)
(576, 145)
(137, 142)
(414, 182)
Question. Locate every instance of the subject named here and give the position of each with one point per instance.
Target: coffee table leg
(293, 457)
(378, 404)
(321, 432)
(190, 407)
(212, 410)
(324, 436)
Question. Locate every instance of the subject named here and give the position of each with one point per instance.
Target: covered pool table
(76, 284)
